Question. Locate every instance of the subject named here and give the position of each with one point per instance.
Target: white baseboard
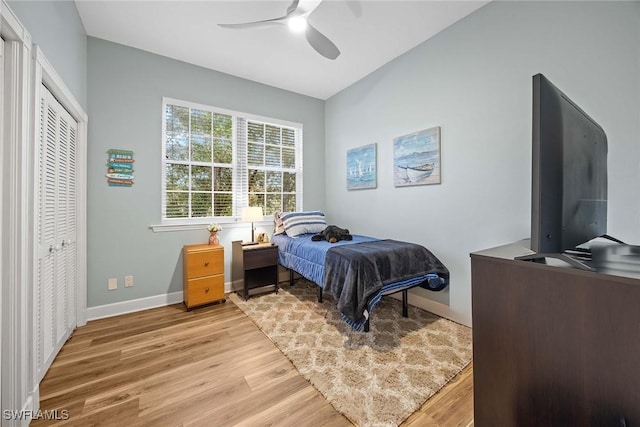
(431, 306)
(124, 307)
(131, 306)
(235, 286)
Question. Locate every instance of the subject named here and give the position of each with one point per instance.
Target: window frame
(240, 165)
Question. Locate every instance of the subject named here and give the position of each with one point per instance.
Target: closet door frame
(45, 74)
(25, 70)
(16, 328)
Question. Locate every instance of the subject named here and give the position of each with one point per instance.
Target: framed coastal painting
(361, 167)
(416, 158)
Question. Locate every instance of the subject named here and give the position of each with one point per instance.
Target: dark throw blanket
(355, 273)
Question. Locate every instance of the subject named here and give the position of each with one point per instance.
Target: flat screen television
(569, 177)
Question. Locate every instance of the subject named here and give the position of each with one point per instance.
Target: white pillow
(297, 223)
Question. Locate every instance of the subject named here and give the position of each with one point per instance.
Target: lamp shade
(252, 214)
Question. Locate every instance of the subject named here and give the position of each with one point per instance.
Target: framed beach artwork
(416, 158)
(361, 167)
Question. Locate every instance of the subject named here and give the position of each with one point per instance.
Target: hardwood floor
(208, 367)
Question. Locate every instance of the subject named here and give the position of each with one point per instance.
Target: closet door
(56, 305)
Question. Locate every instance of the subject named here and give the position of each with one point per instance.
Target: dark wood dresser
(552, 345)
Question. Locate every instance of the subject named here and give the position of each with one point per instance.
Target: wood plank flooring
(208, 367)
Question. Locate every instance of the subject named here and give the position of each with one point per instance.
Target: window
(217, 161)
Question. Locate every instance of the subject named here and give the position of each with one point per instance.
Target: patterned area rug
(375, 378)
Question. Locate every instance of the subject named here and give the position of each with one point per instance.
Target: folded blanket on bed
(355, 273)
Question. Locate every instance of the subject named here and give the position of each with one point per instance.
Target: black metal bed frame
(405, 297)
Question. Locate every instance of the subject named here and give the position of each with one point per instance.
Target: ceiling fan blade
(305, 7)
(255, 24)
(321, 43)
(292, 7)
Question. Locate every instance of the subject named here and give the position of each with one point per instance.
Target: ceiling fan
(296, 18)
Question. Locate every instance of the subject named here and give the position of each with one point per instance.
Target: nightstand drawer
(205, 290)
(204, 263)
(256, 258)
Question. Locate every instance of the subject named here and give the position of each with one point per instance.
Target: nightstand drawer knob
(206, 263)
(206, 290)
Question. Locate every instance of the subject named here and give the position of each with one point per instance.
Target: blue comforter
(307, 257)
(356, 274)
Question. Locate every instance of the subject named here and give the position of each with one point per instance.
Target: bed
(357, 273)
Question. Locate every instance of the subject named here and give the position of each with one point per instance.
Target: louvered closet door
(56, 290)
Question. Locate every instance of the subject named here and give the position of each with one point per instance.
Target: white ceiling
(369, 33)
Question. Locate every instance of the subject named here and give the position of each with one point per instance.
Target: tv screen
(569, 173)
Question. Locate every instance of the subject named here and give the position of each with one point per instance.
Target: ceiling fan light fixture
(297, 24)
(296, 19)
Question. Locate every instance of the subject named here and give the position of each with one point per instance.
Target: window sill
(162, 228)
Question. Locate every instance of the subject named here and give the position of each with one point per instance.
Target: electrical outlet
(128, 281)
(113, 284)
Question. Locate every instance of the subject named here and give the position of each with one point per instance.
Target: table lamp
(252, 214)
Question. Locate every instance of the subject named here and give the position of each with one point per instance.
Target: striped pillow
(297, 223)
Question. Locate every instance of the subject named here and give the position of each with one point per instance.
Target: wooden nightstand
(255, 265)
(203, 281)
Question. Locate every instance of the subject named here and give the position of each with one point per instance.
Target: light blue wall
(56, 27)
(474, 80)
(126, 87)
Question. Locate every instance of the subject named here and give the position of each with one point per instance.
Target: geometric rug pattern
(375, 378)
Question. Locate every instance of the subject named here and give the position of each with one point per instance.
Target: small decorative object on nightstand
(256, 265)
(203, 280)
(213, 238)
(213, 233)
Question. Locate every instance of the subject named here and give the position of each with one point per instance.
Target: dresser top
(202, 247)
